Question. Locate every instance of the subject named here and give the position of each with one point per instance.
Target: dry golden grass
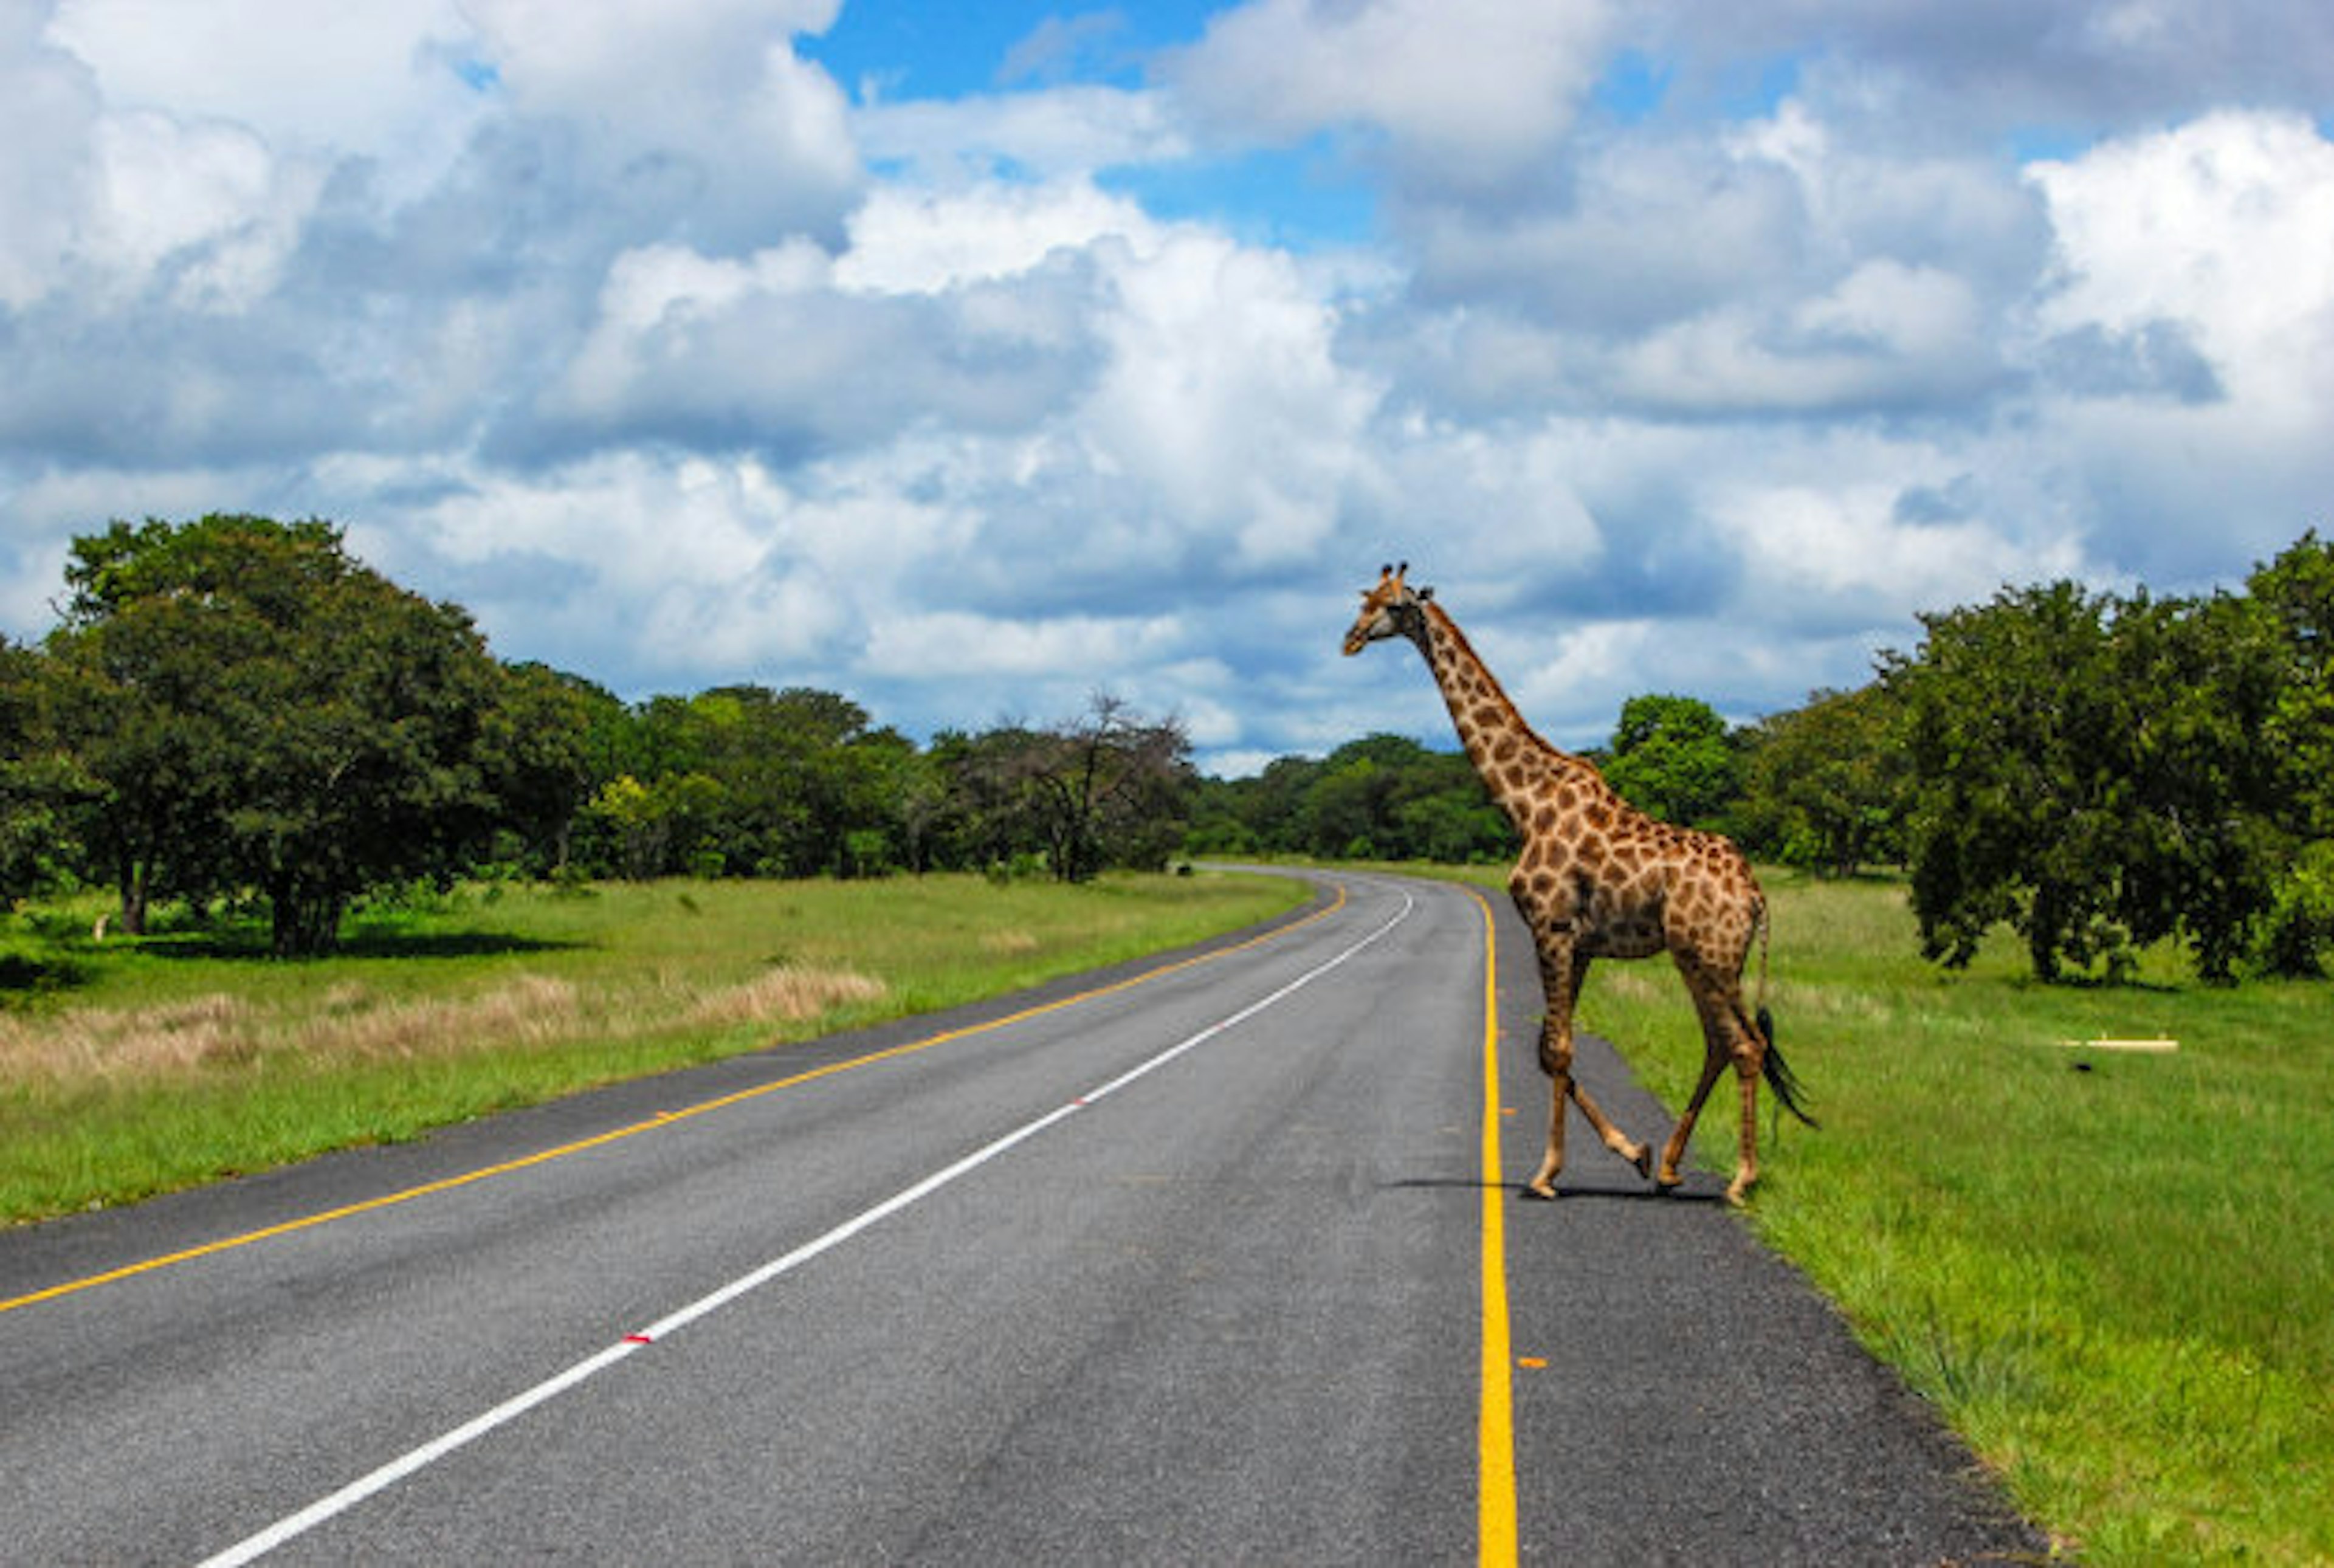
(98, 1045)
(87, 1047)
(785, 994)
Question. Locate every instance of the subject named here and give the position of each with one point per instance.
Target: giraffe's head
(1392, 609)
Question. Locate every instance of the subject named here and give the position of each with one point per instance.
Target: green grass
(2113, 1273)
(131, 1068)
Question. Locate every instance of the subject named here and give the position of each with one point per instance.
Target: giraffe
(1598, 879)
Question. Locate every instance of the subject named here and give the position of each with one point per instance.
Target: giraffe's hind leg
(1723, 1040)
(1746, 1168)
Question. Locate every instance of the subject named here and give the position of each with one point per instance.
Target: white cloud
(954, 645)
(703, 110)
(1887, 335)
(617, 323)
(2224, 226)
(1046, 136)
(1223, 397)
(1850, 543)
(907, 239)
(1472, 88)
(49, 109)
(373, 77)
(212, 193)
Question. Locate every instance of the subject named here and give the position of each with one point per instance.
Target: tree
(1826, 786)
(258, 709)
(1670, 758)
(1382, 796)
(2094, 772)
(2005, 729)
(538, 741)
(1103, 789)
(2198, 684)
(2297, 592)
(36, 779)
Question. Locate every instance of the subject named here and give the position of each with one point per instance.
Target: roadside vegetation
(2108, 1269)
(142, 1065)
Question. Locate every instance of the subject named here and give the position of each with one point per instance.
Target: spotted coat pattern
(1597, 878)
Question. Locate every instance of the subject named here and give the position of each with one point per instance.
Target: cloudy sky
(969, 359)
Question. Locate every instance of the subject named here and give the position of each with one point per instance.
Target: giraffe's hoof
(1643, 1160)
(1668, 1179)
(1536, 1192)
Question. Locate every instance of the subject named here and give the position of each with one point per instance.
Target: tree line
(2096, 772)
(237, 711)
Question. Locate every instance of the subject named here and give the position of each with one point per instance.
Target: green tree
(2297, 592)
(1671, 757)
(36, 779)
(2094, 772)
(1826, 786)
(1382, 795)
(538, 741)
(2006, 730)
(1107, 788)
(2196, 779)
(258, 709)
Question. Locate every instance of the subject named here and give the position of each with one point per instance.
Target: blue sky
(971, 359)
(955, 51)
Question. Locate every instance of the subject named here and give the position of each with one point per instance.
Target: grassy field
(128, 1067)
(2113, 1272)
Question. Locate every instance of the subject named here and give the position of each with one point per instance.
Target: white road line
(294, 1526)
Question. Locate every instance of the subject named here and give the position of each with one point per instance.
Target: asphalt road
(1179, 1264)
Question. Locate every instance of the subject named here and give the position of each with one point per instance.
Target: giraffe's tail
(1779, 1076)
(1779, 1073)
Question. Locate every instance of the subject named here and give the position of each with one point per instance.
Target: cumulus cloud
(698, 121)
(1684, 348)
(1067, 130)
(2193, 293)
(2218, 230)
(1461, 91)
(1913, 74)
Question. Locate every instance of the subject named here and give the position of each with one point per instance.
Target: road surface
(1195, 1261)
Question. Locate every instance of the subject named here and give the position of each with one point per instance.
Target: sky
(969, 361)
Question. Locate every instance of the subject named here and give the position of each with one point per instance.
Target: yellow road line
(1495, 1427)
(661, 1119)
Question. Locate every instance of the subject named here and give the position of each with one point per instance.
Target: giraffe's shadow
(1695, 1192)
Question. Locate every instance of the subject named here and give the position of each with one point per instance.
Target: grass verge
(131, 1068)
(2109, 1270)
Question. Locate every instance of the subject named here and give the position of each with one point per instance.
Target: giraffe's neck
(1510, 755)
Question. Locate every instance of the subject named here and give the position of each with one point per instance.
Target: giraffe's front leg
(1556, 1061)
(1712, 997)
(1713, 1063)
(1562, 969)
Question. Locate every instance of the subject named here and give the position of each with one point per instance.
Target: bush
(2293, 938)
